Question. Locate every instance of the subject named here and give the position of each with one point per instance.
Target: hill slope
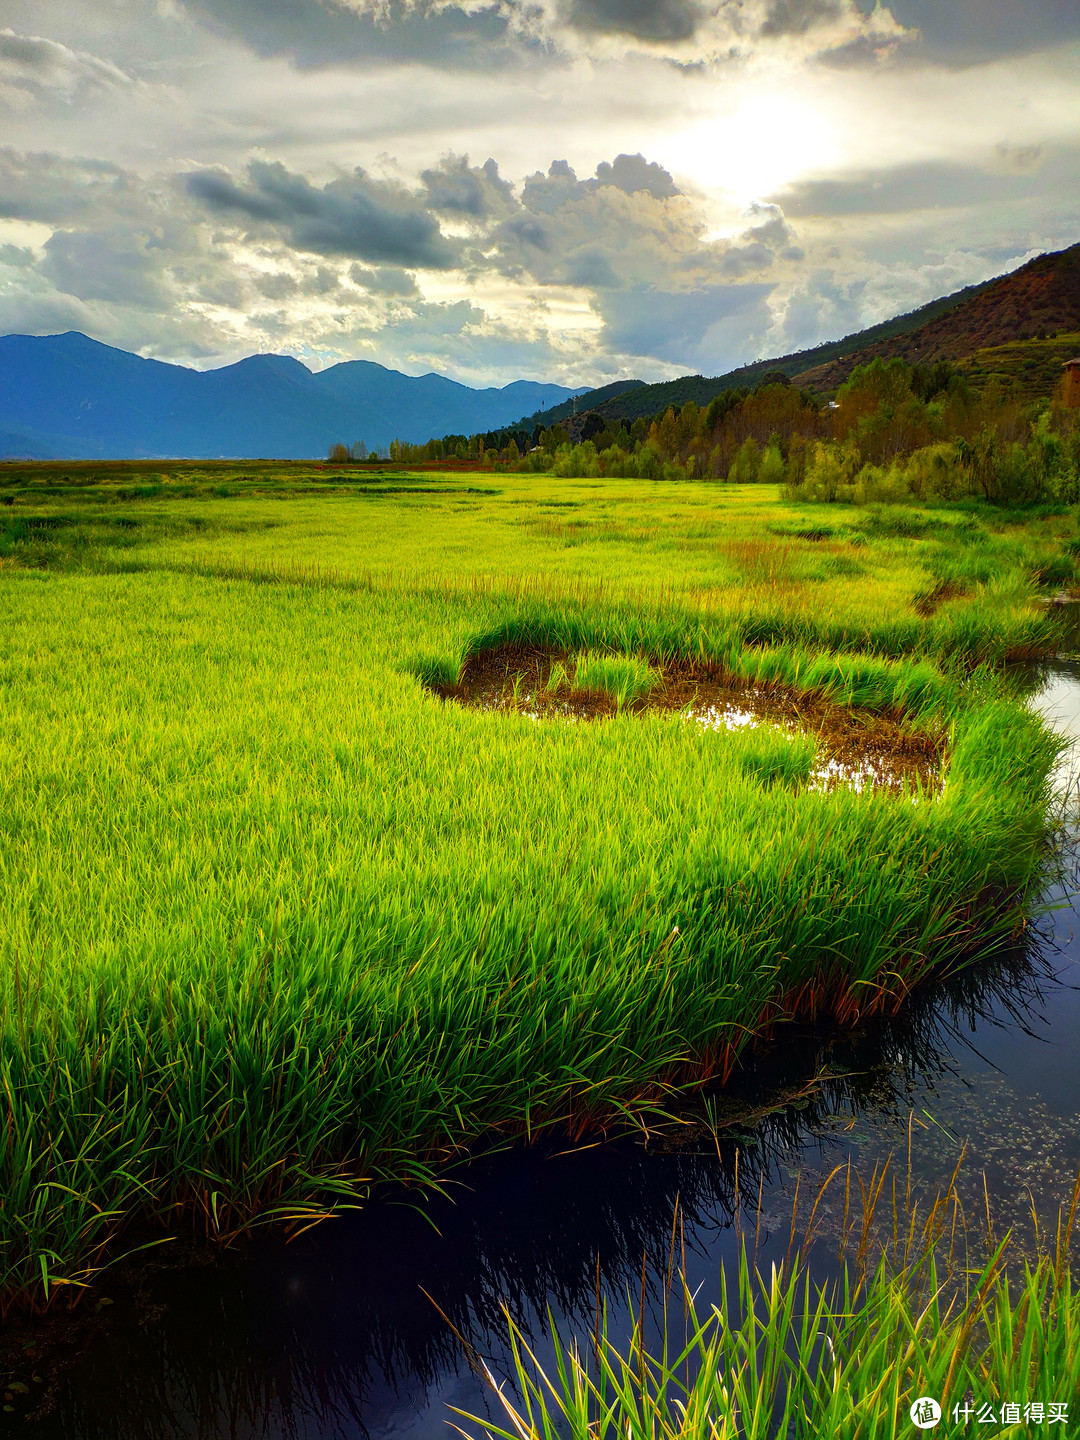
(71, 397)
(648, 399)
(1033, 368)
(1037, 301)
(1040, 299)
(589, 400)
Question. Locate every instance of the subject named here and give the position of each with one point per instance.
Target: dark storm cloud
(642, 19)
(454, 185)
(355, 216)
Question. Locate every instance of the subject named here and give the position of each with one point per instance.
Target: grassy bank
(276, 921)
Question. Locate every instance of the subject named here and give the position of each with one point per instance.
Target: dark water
(352, 1329)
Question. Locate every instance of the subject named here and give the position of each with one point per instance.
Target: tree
(339, 454)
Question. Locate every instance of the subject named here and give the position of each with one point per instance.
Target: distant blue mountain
(69, 397)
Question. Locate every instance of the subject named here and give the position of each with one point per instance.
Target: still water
(353, 1329)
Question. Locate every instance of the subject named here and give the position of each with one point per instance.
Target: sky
(575, 191)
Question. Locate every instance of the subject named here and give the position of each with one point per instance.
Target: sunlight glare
(766, 143)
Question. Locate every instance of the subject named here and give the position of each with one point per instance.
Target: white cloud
(33, 67)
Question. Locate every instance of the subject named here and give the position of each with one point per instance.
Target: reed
(624, 677)
(785, 1357)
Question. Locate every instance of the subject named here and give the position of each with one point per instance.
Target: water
(854, 748)
(359, 1328)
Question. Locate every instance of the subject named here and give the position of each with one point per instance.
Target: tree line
(894, 431)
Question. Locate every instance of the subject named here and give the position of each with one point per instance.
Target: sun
(765, 143)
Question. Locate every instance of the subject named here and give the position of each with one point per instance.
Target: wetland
(289, 938)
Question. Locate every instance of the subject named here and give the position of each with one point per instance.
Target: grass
(908, 1312)
(785, 1357)
(277, 923)
(625, 678)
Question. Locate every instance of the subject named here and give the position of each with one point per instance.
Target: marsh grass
(278, 924)
(910, 1310)
(793, 728)
(627, 679)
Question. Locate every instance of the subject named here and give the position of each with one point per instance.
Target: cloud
(633, 173)
(967, 32)
(40, 185)
(1019, 159)
(718, 327)
(591, 269)
(17, 257)
(355, 216)
(796, 17)
(38, 312)
(33, 66)
(768, 226)
(112, 265)
(642, 19)
(628, 225)
(317, 34)
(1010, 172)
(482, 34)
(387, 280)
(453, 185)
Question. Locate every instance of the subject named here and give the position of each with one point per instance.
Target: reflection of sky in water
(850, 752)
(825, 774)
(334, 1335)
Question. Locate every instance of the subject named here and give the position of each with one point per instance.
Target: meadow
(278, 922)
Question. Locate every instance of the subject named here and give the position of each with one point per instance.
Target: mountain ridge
(69, 396)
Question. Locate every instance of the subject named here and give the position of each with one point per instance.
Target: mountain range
(70, 397)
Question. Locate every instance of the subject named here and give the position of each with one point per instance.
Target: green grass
(785, 1357)
(624, 677)
(276, 922)
(915, 1303)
